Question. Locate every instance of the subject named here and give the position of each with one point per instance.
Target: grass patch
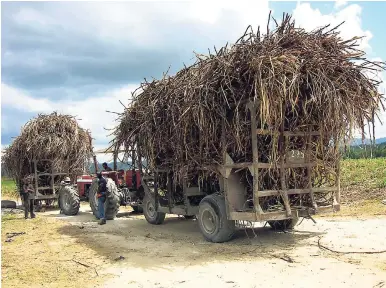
(366, 173)
(362, 208)
(8, 189)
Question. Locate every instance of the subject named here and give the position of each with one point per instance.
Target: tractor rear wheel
(152, 216)
(213, 221)
(112, 199)
(287, 224)
(69, 201)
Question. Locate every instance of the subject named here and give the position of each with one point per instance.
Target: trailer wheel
(152, 216)
(287, 224)
(212, 219)
(137, 209)
(112, 199)
(69, 201)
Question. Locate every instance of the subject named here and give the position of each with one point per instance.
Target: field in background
(363, 186)
(364, 173)
(8, 189)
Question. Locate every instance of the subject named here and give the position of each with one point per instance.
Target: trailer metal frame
(226, 171)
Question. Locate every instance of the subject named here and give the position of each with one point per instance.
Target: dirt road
(129, 252)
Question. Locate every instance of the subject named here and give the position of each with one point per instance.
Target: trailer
(49, 187)
(220, 200)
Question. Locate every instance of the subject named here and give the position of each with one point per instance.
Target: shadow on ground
(130, 239)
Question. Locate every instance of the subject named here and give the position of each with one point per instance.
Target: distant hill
(120, 165)
(358, 141)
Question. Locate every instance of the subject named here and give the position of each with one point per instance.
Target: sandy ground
(129, 252)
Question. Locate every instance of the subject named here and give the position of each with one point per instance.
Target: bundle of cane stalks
(53, 137)
(301, 81)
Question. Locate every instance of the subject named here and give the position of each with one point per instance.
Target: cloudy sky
(81, 58)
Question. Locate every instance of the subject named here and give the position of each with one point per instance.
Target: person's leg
(26, 204)
(31, 205)
(101, 209)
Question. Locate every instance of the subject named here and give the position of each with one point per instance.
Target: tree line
(365, 151)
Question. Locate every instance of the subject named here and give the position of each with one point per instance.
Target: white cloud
(309, 19)
(340, 4)
(146, 23)
(90, 111)
(129, 24)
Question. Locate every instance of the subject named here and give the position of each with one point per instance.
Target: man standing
(26, 194)
(102, 190)
(106, 167)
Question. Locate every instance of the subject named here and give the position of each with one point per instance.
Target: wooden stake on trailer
(93, 156)
(227, 170)
(284, 189)
(115, 158)
(309, 168)
(255, 154)
(337, 171)
(36, 177)
(52, 177)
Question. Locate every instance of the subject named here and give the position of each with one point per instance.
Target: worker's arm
(30, 188)
(24, 189)
(102, 187)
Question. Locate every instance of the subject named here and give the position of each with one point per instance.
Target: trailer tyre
(112, 199)
(69, 201)
(287, 224)
(152, 216)
(137, 209)
(212, 219)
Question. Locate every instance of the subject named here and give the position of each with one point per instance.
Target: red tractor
(123, 186)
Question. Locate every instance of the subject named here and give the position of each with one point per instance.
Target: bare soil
(63, 251)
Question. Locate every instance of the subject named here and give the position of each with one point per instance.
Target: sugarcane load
(51, 148)
(252, 131)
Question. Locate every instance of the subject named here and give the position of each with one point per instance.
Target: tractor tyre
(212, 219)
(69, 201)
(8, 204)
(112, 199)
(152, 216)
(282, 225)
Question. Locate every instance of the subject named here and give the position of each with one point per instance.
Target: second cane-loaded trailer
(241, 191)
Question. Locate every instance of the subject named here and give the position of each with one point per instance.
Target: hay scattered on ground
(303, 80)
(53, 136)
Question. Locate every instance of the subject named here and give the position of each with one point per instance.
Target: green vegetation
(365, 151)
(8, 188)
(366, 173)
